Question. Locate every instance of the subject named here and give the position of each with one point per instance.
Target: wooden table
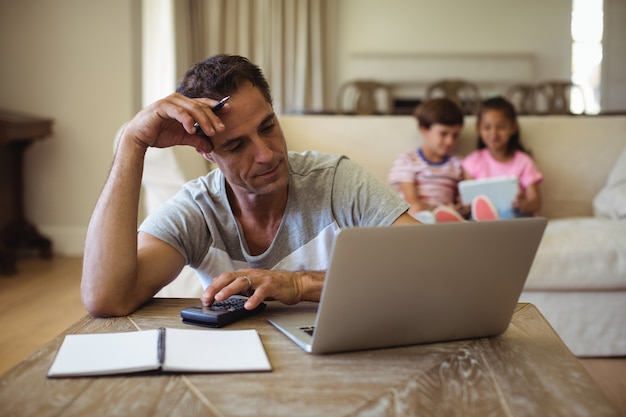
(527, 371)
(17, 132)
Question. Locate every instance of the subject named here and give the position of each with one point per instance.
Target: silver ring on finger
(247, 278)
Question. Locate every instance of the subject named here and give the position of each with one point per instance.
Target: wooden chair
(553, 97)
(464, 93)
(522, 96)
(364, 97)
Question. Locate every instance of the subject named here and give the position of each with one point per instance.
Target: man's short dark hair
(222, 75)
(438, 111)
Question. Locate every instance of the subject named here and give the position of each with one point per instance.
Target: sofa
(578, 278)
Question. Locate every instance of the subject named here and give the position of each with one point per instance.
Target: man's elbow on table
(99, 304)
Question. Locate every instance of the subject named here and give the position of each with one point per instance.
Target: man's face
(251, 152)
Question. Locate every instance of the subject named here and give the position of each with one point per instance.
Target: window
(587, 30)
(159, 72)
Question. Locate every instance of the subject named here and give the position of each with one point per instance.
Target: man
(261, 224)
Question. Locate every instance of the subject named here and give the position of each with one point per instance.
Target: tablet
(502, 191)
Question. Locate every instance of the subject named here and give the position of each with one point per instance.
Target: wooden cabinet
(17, 133)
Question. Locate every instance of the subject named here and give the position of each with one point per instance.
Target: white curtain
(291, 40)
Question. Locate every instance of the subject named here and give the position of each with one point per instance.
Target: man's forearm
(110, 259)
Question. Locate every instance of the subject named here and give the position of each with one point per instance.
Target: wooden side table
(17, 132)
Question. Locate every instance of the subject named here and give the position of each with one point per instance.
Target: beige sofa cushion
(580, 253)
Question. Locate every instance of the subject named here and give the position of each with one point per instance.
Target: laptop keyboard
(308, 330)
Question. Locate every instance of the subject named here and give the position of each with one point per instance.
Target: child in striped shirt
(427, 177)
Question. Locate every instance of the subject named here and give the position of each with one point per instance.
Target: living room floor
(43, 299)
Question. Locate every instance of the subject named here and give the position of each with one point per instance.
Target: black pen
(161, 346)
(214, 109)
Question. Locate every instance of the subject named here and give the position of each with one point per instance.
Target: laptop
(502, 191)
(414, 284)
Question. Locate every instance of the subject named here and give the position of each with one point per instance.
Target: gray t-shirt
(326, 193)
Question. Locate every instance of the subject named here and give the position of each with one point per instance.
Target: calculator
(220, 313)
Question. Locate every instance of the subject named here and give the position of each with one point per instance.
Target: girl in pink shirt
(501, 153)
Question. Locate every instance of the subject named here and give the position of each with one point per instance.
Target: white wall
(73, 61)
(540, 29)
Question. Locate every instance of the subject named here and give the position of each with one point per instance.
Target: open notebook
(402, 285)
(168, 350)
